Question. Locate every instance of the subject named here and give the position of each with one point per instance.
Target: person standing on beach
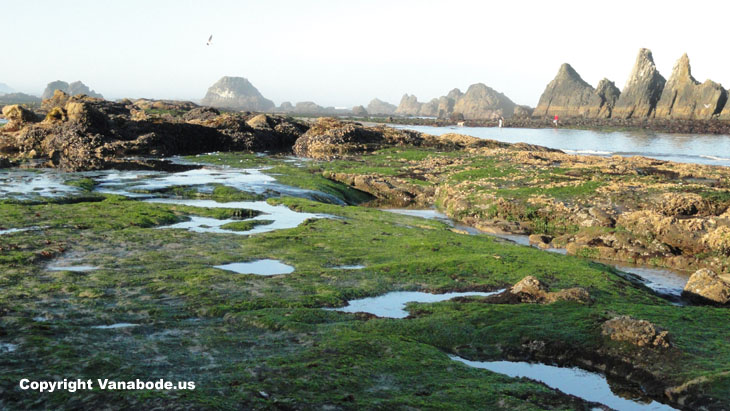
(500, 122)
(555, 120)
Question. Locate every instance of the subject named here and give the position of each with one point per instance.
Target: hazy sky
(345, 52)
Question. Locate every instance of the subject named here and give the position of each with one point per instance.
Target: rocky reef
(236, 93)
(84, 133)
(72, 89)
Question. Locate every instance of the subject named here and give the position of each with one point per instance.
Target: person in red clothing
(555, 120)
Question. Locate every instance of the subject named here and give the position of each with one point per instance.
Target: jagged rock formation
(686, 98)
(378, 107)
(478, 103)
(236, 93)
(642, 91)
(74, 89)
(430, 109)
(608, 94)
(409, 106)
(482, 102)
(568, 95)
(447, 102)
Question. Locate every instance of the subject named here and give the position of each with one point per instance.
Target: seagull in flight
(707, 106)
(210, 40)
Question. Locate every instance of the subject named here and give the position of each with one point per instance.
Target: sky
(343, 53)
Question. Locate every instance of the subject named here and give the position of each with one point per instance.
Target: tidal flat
(251, 341)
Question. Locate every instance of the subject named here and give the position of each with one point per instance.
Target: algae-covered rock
(641, 333)
(18, 116)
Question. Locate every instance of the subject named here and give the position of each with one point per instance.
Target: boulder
(482, 102)
(684, 97)
(17, 116)
(642, 91)
(378, 107)
(531, 290)
(236, 93)
(409, 106)
(260, 121)
(641, 333)
(706, 287)
(540, 240)
(359, 111)
(330, 138)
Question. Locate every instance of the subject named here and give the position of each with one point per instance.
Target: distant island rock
(5, 89)
(72, 89)
(19, 98)
(236, 93)
(478, 103)
(359, 111)
(377, 107)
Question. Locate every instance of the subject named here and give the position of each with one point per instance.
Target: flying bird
(210, 40)
(707, 106)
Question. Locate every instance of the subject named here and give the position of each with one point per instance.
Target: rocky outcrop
(17, 116)
(642, 91)
(377, 107)
(87, 133)
(359, 111)
(409, 106)
(530, 290)
(286, 107)
(706, 287)
(567, 95)
(482, 102)
(684, 97)
(236, 93)
(641, 333)
(74, 89)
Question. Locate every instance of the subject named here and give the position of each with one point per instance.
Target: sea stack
(72, 89)
(483, 102)
(686, 98)
(643, 89)
(236, 93)
(567, 95)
